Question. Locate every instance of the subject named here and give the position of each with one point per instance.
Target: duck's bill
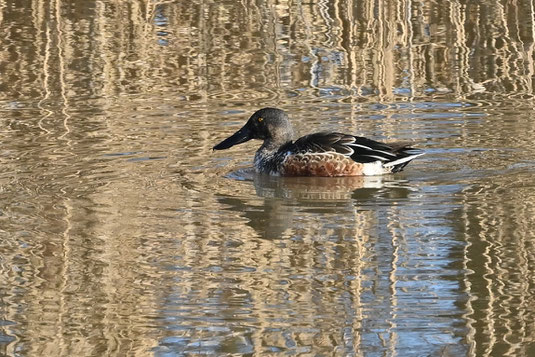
(238, 137)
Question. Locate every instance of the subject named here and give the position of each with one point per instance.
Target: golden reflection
(389, 50)
(98, 212)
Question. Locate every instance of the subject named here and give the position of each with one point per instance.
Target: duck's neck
(269, 156)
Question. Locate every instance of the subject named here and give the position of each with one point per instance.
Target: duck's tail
(404, 154)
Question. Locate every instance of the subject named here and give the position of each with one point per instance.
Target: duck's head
(269, 124)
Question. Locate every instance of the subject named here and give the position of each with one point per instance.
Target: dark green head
(269, 124)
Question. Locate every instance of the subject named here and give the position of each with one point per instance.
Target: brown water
(123, 234)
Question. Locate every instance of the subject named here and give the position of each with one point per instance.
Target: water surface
(122, 233)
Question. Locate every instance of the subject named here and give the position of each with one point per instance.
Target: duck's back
(337, 154)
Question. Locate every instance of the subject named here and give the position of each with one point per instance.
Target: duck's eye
(260, 119)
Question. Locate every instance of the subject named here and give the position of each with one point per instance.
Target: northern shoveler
(319, 154)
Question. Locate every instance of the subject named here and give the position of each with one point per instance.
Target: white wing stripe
(373, 150)
(360, 146)
(376, 157)
(386, 153)
(400, 161)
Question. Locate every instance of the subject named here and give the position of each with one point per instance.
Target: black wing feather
(360, 149)
(323, 142)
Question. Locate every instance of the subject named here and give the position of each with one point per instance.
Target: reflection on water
(122, 233)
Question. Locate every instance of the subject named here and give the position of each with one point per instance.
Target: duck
(325, 154)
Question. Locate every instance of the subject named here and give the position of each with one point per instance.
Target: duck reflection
(270, 220)
(310, 189)
(286, 197)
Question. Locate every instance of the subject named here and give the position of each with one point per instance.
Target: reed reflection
(343, 50)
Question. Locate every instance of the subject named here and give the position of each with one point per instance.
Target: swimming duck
(319, 154)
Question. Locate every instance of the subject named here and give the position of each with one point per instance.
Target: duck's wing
(359, 149)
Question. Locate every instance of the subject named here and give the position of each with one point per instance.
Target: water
(122, 233)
